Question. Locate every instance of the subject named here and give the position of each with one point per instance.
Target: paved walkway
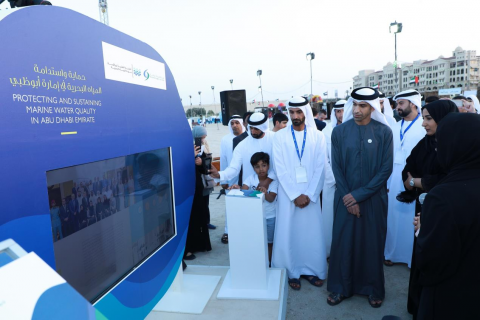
(309, 302)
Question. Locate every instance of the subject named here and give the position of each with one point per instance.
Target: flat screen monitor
(109, 216)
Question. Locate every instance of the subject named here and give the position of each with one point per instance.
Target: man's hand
(213, 172)
(416, 222)
(234, 186)
(302, 201)
(198, 161)
(469, 106)
(355, 210)
(265, 183)
(349, 200)
(406, 183)
(225, 186)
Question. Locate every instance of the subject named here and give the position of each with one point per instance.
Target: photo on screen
(109, 216)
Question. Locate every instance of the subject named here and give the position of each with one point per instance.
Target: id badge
(301, 174)
(399, 157)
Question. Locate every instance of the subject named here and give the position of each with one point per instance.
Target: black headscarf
(438, 110)
(458, 146)
(428, 168)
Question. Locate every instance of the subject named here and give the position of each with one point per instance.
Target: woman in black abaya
(448, 245)
(422, 166)
(198, 238)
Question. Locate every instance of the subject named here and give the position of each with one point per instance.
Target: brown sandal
(336, 298)
(313, 280)
(292, 282)
(388, 263)
(374, 302)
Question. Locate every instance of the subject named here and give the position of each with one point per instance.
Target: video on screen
(109, 216)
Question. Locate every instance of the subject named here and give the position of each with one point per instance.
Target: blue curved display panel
(75, 91)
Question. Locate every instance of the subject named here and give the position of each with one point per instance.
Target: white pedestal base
(231, 309)
(227, 291)
(188, 296)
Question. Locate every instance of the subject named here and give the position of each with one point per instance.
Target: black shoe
(211, 226)
(190, 257)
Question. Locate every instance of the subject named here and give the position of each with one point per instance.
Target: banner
(75, 91)
(451, 91)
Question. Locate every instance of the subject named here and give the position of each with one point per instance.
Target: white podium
(249, 276)
(188, 293)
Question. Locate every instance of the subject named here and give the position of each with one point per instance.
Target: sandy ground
(309, 302)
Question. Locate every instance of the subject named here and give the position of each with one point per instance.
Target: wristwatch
(412, 183)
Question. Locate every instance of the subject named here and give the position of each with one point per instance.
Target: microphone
(222, 191)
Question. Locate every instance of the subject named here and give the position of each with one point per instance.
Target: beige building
(459, 71)
(360, 80)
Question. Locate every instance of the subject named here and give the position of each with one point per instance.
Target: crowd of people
(345, 199)
(89, 201)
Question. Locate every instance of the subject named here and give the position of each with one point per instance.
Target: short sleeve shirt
(270, 207)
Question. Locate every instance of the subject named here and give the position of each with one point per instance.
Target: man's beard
(257, 135)
(298, 122)
(405, 113)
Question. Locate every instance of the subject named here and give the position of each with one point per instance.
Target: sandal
(336, 297)
(224, 238)
(374, 302)
(313, 280)
(292, 282)
(388, 263)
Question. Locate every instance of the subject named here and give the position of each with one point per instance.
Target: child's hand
(234, 186)
(262, 190)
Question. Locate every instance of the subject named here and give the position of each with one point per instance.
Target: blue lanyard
(402, 133)
(300, 156)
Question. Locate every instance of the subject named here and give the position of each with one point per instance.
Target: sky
(207, 43)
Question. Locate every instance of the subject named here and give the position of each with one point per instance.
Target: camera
(207, 162)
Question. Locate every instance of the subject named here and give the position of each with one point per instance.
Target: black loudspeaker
(232, 102)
